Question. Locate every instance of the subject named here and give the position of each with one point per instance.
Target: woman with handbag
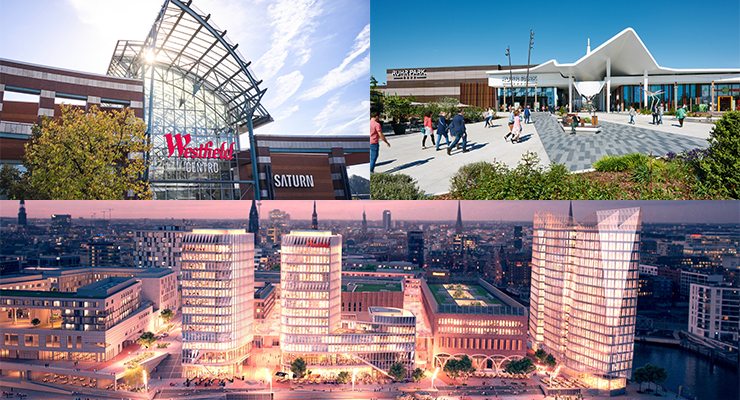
(427, 129)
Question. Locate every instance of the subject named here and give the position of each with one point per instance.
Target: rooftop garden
(463, 295)
(371, 287)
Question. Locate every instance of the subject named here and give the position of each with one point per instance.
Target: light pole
(511, 77)
(526, 83)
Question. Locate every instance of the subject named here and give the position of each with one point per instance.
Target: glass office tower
(584, 293)
(217, 301)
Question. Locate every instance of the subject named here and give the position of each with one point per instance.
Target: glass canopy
(199, 93)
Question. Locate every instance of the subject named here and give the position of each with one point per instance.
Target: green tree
(449, 104)
(146, 339)
(655, 374)
(523, 366)
(343, 377)
(458, 294)
(373, 82)
(398, 108)
(16, 185)
(35, 322)
(640, 375)
(93, 155)
(540, 355)
(134, 376)
(298, 367)
(550, 361)
(387, 186)
(452, 368)
(167, 315)
(397, 371)
(418, 375)
(275, 267)
(720, 171)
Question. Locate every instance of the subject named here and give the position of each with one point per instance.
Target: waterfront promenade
(433, 169)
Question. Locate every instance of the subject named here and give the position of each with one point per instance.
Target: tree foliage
(94, 155)
(649, 373)
(35, 322)
(550, 361)
(540, 355)
(397, 371)
(398, 108)
(167, 315)
(455, 367)
(418, 375)
(387, 186)
(134, 376)
(146, 339)
(523, 366)
(720, 171)
(298, 367)
(343, 377)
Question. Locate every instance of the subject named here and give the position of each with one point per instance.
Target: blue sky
(433, 33)
(313, 55)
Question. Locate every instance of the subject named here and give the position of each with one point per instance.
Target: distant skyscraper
(458, 225)
(314, 218)
(61, 223)
(387, 221)
(364, 222)
(584, 293)
(100, 253)
(416, 247)
(217, 301)
(254, 222)
(277, 225)
(518, 237)
(22, 213)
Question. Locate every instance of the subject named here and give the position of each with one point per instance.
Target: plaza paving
(433, 169)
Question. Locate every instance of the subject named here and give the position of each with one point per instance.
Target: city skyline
(720, 212)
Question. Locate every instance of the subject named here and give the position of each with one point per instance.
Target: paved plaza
(433, 169)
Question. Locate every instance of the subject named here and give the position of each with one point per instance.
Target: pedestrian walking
(526, 115)
(575, 121)
(442, 129)
(376, 135)
(427, 130)
(660, 114)
(517, 128)
(458, 130)
(511, 124)
(681, 114)
(654, 111)
(632, 115)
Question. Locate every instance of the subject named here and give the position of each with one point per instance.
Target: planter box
(399, 129)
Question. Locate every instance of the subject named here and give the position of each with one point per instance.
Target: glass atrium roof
(185, 39)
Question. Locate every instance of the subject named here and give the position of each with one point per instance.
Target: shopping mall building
(618, 74)
(198, 96)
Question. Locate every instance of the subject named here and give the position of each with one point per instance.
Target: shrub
(587, 120)
(719, 169)
(611, 164)
(386, 186)
(398, 108)
(473, 113)
(562, 110)
(634, 160)
(527, 181)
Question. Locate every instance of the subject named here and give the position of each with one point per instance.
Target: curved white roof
(629, 57)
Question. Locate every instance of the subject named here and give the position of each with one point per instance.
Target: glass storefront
(727, 96)
(547, 96)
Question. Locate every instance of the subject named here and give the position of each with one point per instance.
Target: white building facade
(584, 293)
(218, 301)
(714, 312)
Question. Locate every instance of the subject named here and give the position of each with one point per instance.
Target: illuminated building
(218, 300)
(477, 320)
(61, 223)
(415, 243)
(387, 226)
(100, 254)
(714, 312)
(159, 247)
(311, 323)
(584, 293)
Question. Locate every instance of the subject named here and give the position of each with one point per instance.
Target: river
(690, 371)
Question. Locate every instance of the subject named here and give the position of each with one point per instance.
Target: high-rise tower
(458, 225)
(584, 293)
(364, 222)
(254, 222)
(217, 301)
(314, 218)
(22, 213)
(387, 221)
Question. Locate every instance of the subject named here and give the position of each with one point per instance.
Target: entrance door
(726, 103)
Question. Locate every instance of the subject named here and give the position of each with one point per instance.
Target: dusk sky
(652, 211)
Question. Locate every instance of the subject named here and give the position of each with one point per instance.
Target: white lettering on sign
(518, 79)
(409, 74)
(296, 181)
(202, 167)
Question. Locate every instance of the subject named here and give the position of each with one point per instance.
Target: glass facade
(547, 96)
(217, 301)
(311, 325)
(584, 292)
(199, 95)
(697, 97)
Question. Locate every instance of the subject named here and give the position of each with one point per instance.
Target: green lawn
(476, 291)
(375, 287)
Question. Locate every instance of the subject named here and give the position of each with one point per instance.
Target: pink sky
(653, 211)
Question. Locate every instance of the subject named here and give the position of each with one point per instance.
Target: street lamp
(511, 78)
(526, 83)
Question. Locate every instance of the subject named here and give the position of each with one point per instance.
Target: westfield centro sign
(201, 159)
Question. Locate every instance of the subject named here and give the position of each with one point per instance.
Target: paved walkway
(433, 169)
(617, 137)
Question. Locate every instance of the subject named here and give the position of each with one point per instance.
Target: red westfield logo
(316, 243)
(180, 142)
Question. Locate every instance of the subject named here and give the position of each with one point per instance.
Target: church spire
(314, 218)
(458, 225)
(364, 221)
(254, 222)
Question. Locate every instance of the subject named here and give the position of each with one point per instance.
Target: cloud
(347, 71)
(322, 118)
(293, 21)
(360, 124)
(285, 113)
(285, 86)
